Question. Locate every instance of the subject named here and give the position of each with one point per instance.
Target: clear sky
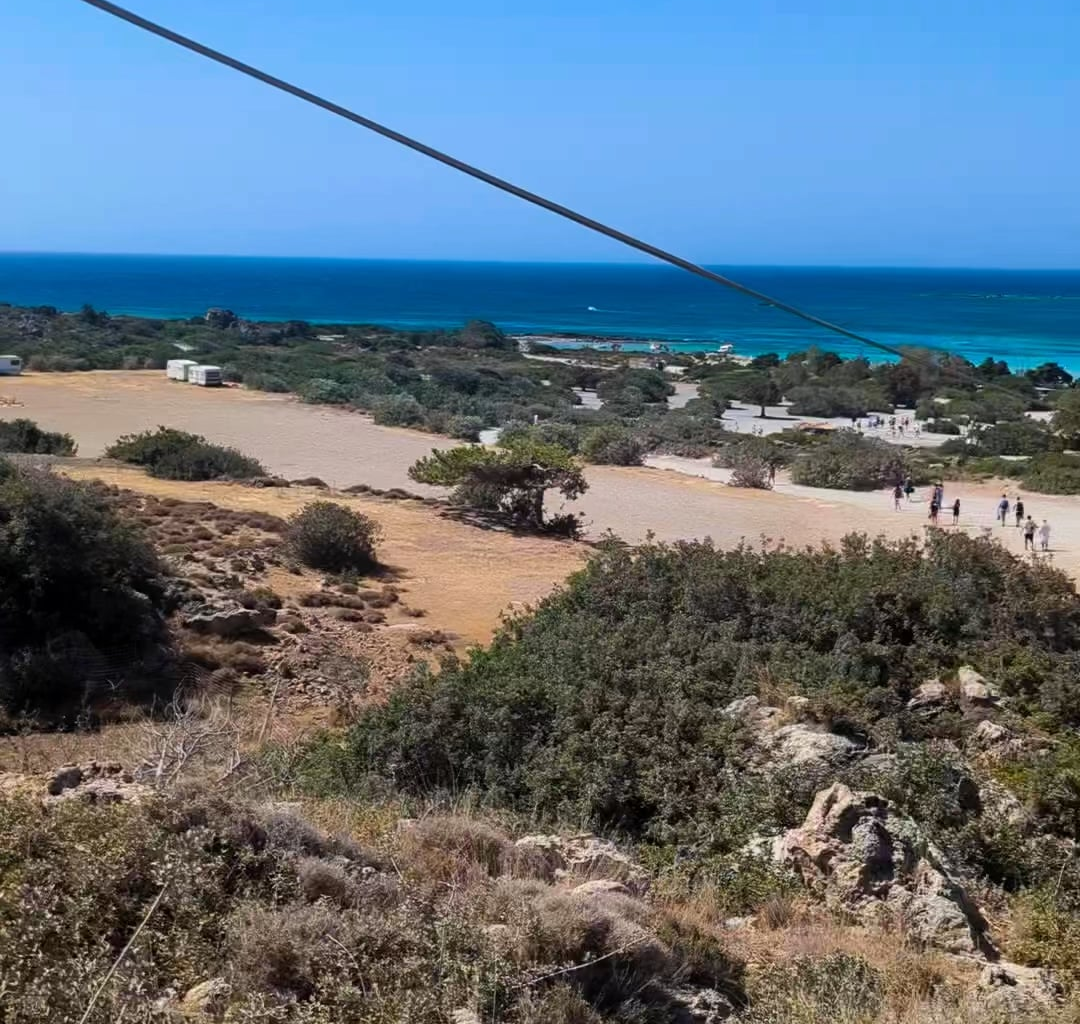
(922, 132)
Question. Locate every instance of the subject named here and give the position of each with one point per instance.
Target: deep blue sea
(1024, 317)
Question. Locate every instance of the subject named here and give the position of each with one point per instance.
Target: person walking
(909, 488)
(897, 497)
(1044, 536)
(934, 509)
(1029, 534)
(1003, 509)
(956, 512)
(772, 473)
(1019, 509)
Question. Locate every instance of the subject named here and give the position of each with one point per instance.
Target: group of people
(1028, 525)
(937, 502)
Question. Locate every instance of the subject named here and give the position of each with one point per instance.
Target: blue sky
(810, 132)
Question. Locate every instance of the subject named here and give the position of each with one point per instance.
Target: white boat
(726, 349)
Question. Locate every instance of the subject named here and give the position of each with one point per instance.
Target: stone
(930, 698)
(750, 709)
(68, 777)
(600, 887)
(797, 704)
(1016, 992)
(975, 688)
(698, 1006)
(207, 999)
(465, 1016)
(868, 859)
(230, 620)
(800, 745)
(584, 856)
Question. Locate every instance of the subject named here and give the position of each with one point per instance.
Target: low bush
(942, 426)
(26, 437)
(178, 455)
(851, 463)
(1022, 437)
(813, 400)
(602, 706)
(81, 600)
(1053, 474)
(612, 445)
(326, 535)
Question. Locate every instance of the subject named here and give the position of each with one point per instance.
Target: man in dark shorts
(956, 512)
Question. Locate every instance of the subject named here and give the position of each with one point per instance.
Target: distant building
(205, 376)
(10, 366)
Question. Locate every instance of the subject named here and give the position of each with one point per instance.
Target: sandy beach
(671, 499)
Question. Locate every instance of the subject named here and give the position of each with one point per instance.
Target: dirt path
(297, 440)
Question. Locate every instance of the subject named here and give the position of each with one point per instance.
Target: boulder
(600, 887)
(208, 999)
(584, 856)
(751, 711)
(976, 689)
(229, 620)
(67, 777)
(800, 745)
(697, 1006)
(929, 699)
(1017, 993)
(868, 859)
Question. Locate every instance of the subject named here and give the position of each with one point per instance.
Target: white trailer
(177, 369)
(205, 376)
(10, 366)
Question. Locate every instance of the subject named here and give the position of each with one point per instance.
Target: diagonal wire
(502, 184)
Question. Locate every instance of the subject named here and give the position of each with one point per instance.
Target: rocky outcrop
(95, 782)
(798, 745)
(976, 689)
(868, 859)
(1012, 992)
(583, 856)
(229, 620)
(207, 1000)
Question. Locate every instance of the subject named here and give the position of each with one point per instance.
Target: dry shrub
(374, 618)
(348, 615)
(323, 879)
(454, 849)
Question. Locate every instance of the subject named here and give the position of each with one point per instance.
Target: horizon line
(531, 262)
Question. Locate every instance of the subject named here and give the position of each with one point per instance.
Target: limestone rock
(208, 999)
(95, 782)
(1016, 992)
(600, 887)
(975, 688)
(698, 1006)
(800, 745)
(750, 710)
(868, 859)
(585, 856)
(929, 699)
(229, 620)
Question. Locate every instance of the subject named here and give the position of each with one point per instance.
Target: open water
(1024, 317)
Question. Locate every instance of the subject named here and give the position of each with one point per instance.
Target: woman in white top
(1044, 535)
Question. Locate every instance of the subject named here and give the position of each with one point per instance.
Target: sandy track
(343, 448)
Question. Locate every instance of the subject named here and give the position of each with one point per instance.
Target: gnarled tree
(512, 478)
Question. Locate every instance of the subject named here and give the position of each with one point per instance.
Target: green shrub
(465, 428)
(321, 391)
(838, 988)
(326, 535)
(81, 599)
(178, 455)
(397, 411)
(1022, 437)
(612, 445)
(851, 463)
(27, 437)
(512, 478)
(602, 706)
(942, 426)
(814, 400)
(1052, 474)
(266, 382)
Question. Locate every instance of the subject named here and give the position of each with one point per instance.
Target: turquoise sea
(1024, 317)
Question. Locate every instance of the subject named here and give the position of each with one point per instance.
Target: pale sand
(343, 448)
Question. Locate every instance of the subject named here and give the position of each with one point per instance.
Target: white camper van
(177, 369)
(10, 366)
(205, 376)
